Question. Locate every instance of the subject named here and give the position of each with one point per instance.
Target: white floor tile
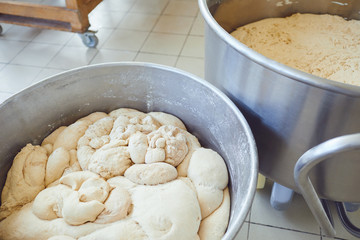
(58, 3)
(4, 96)
(164, 43)
(14, 78)
(105, 55)
(194, 47)
(129, 40)
(192, 65)
(297, 217)
(243, 233)
(53, 37)
(45, 73)
(9, 49)
(105, 19)
(174, 24)
(257, 232)
(138, 21)
(5, 27)
(198, 27)
(30, 54)
(114, 6)
(2, 65)
(156, 58)
(149, 6)
(21, 33)
(72, 57)
(182, 8)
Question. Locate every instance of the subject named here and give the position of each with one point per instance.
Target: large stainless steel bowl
(289, 111)
(32, 114)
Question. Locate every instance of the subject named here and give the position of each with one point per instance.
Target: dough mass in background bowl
(289, 111)
(32, 114)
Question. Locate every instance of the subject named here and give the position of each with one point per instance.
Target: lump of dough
(48, 203)
(129, 123)
(74, 163)
(25, 179)
(117, 112)
(75, 212)
(209, 198)
(24, 225)
(151, 174)
(76, 179)
(121, 181)
(84, 154)
(122, 230)
(207, 170)
(69, 137)
(96, 135)
(95, 116)
(214, 226)
(110, 161)
(53, 136)
(117, 206)
(94, 189)
(167, 119)
(193, 144)
(170, 139)
(56, 164)
(177, 216)
(61, 237)
(137, 147)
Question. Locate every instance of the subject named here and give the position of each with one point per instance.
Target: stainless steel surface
(289, 111)
(207, 113)
(308, 161)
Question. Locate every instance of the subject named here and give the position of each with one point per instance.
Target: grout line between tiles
(187, 36)
(147, 37)
(283, 228)
(22, 49)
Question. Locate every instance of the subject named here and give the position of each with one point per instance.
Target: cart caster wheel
(89, 39)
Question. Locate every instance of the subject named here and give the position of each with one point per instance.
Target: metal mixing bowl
(289, 111)
(32, 114)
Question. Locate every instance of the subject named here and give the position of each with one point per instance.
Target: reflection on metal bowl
(289, 111)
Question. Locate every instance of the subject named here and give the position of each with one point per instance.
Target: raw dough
(323, 45)
(123, 175)
(25, 179)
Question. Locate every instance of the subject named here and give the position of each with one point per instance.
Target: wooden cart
(72, 18)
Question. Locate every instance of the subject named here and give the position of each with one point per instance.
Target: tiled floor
(169, 32)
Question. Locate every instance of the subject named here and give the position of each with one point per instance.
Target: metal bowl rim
(241, 215)
(297, 75)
